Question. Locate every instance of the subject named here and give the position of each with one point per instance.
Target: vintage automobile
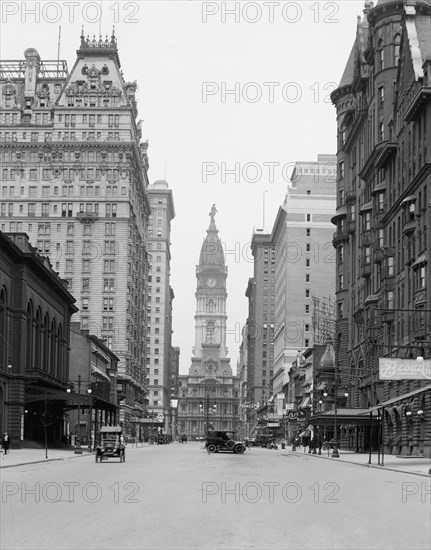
(263, 440)
(111, 444)
(223, 441)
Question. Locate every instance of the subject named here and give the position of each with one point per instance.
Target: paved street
(178, 496)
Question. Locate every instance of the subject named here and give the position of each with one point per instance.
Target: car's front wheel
(211, 448)
(239, 448)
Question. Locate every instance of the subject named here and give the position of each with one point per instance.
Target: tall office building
(74, 178)
(261, 325)
(304, 256)
(160, 298)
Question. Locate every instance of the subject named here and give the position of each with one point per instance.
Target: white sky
(172, 52)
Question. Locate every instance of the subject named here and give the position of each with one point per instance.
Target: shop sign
(404, 369)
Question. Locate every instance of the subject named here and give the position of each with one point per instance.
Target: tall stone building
(304, 256)
(160, 298)
(261, 328)
(383, 217)
(175, 372)
(74, 178)
(209, 394)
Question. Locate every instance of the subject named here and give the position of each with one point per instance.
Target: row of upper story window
(93, 100)
(64, 155)
(39, 137)
(47, 209)
(45, 228)
(52, 192)
(159, 221)
(110, 175)
(68, 120)
(387, 55)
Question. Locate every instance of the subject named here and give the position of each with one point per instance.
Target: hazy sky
(222, 86)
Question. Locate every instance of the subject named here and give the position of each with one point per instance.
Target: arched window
(53, 366)
(29, 337)
(210, 331)
(45, 344)
(60, 365)
(3, 330)
(37, 341)
(397, 40)
(211, 305)
(380, 55)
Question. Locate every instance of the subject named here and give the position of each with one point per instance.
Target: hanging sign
(404, 369)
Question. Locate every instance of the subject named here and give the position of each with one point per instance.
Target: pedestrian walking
(5, 442)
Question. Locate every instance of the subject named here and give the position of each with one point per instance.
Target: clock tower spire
(211, 295)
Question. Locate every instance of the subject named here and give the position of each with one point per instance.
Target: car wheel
(250, 444)
(211, 448)
(239, 448)
(230, 444)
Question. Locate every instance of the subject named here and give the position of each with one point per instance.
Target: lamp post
(151, 428)
(90, 427)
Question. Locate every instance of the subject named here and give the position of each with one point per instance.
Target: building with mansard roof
(383, 221)
(74, 178)
(209, 394)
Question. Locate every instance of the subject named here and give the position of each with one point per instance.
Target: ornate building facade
(209, 394)
(74, 178)
(383, 218)
(35, 315)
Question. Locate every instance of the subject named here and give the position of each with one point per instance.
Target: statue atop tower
(213, 212)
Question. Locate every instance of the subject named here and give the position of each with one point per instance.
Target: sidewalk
(20, 457)
(416, 466)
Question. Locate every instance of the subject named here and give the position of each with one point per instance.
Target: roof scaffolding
(323, 319)
(14, 69)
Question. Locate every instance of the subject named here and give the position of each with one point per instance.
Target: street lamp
(90, 427)
(207, 412)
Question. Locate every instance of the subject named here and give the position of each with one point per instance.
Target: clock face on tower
(211, 282)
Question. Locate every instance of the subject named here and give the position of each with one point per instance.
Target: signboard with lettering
(404, 369)
(290, 406)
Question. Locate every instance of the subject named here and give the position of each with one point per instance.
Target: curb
(41, 461)
(375, 466)
(86, 453)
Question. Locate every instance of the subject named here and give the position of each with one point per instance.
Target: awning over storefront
(344, 416)
(304, 403)
(399, 398)
(99, 372)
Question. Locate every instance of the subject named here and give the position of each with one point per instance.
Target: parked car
(223, 441)
(267, 441)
